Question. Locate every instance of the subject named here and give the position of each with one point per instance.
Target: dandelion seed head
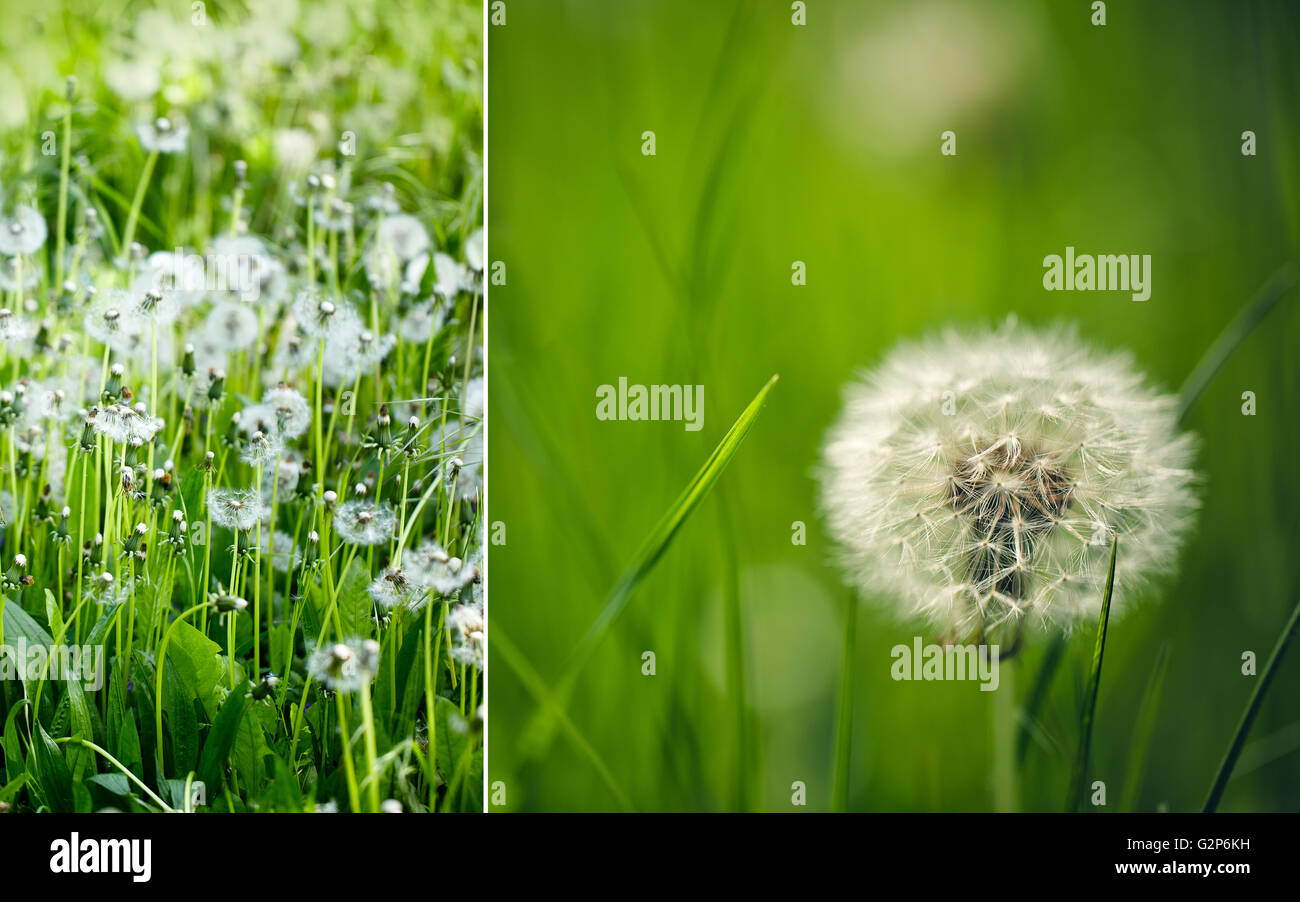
(111, 319)
(283, 411)
(262, 449)
(421, 322)
(345, 666)
(430, 566)
(126, 425)
(452, 277)
(393, 590)
(231, 326)
(977, 479)
(240, 509)
(14, 329)
(465, 622)
(22, 232)
(163, 135)
(362, 523)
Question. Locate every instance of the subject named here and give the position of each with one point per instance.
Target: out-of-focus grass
(777, 143)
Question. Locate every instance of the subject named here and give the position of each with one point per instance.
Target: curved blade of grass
(1090, 697)
(665, 530)
(1252, 708)
(539, 732)
(536, 686)
(1231, 337)
(1145, 726)
(1038, 694)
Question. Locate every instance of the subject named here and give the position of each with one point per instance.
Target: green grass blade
(1038, 694)
(1144, 728)
(1231, 337)
(666, 529)
(538, 734)
(1252, 708)
(844, 712)
(532, 681)
(1090, 697)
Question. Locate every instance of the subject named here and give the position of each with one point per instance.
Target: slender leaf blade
(1252, 709)
(1094, 683)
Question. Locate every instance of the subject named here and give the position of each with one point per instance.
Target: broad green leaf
(52, 774)
(81, 800)
(247, 753)
(285, 792)
(182, 725)
(220, 739)
(13, 749)
(102, 626)
(12, 788)
(200, 663)
(128, 746)
(355, 605)
(80, 758)
(115, 783)
(18, 624)
(53, 613)
(459, 759)
(281, 643)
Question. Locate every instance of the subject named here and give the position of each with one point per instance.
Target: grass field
(241, 406)
(821, 143)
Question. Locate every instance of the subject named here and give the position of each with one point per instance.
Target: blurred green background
(821, 144)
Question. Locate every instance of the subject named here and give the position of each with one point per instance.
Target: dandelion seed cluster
(977, 479)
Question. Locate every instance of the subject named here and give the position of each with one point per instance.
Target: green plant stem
(128, 233)
(844, 710)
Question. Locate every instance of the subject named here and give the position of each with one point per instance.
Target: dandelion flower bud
(230, 604)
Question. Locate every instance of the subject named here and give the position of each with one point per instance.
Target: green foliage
(217, 442)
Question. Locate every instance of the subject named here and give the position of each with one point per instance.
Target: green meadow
(822, 144)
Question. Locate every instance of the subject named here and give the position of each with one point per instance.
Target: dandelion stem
(128, 233)
(844, 710)
(368, 725)
(125, 770)
(60, 235)
(349, 770)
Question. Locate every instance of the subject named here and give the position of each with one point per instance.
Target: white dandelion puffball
(362, 523)
(22, 233)
(977, 479)
(237, 508)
